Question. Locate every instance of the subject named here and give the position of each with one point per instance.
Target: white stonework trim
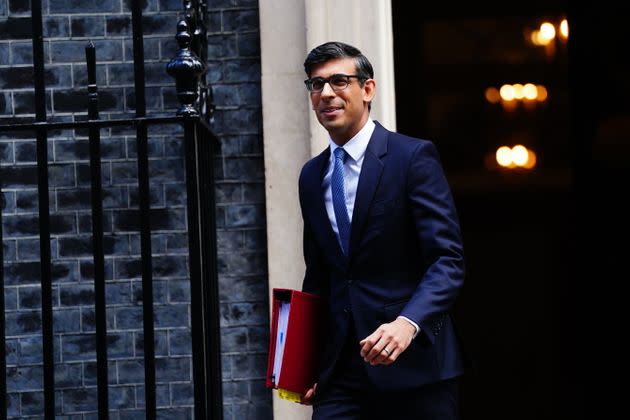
(288, 30)
(286, 148)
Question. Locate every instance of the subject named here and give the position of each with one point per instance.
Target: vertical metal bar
(147, 275)
(197, 295)
(3, 360)
(44, 216)
(207, 221)
(97, 237)
(206, 143)
(145, 227)
(186, 69)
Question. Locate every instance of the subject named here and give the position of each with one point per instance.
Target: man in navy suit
(382, 243)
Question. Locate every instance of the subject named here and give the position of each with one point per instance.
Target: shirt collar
(356, 146)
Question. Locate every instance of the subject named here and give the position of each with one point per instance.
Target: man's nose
(327, 91)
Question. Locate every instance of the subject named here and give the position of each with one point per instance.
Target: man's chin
(331, 124)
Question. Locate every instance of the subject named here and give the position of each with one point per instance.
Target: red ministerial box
(301, 338)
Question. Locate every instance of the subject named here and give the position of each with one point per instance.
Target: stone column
(286, 148)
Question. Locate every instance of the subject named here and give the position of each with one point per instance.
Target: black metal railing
(188, 69)
(3, 358)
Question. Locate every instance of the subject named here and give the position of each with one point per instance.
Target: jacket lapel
(318, 213)
(369, 179)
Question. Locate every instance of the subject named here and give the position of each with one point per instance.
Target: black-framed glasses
(337, 82)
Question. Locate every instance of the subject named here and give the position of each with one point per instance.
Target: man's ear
(369, 90)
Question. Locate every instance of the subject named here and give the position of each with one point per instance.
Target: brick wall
(234, 71)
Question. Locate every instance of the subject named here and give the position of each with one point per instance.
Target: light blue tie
(338, 189)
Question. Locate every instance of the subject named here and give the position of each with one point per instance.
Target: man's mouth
(330, 110)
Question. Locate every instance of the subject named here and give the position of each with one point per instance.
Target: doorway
(490, 87)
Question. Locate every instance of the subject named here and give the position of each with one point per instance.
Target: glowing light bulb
(564, 29)
(492, 95)
(504, 156)
(531, 160)
(530, 91)
(547, 32)
(535, 37)
(519, 155)
(507, 92)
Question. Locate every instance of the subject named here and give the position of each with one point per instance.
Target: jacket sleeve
(437, 227)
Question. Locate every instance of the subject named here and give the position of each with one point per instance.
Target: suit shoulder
(311, 165)
(407, 144)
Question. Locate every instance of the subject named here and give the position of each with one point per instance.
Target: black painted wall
(234, 71)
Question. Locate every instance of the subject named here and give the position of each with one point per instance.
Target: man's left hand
(384, 345)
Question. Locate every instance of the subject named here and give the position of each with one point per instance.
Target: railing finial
(186, 68)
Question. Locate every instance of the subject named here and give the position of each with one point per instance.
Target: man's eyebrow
(332, 75)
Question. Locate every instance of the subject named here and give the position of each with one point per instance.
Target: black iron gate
(188, 69)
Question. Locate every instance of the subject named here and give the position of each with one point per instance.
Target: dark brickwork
(234, 71)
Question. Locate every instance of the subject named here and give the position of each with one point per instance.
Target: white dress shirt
(355, 148)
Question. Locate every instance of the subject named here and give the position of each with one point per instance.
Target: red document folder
(302, 342)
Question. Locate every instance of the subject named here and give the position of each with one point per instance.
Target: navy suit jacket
(405, 258)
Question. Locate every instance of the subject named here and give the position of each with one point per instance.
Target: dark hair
(332, 50)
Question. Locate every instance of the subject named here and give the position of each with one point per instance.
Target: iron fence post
(187, 69)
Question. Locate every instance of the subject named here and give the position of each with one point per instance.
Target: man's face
(344, 112)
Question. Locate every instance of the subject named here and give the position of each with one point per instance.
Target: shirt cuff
(412, 323)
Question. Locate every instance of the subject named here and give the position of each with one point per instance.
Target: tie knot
(340, 153)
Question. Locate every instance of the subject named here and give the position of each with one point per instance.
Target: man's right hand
(308, 397)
